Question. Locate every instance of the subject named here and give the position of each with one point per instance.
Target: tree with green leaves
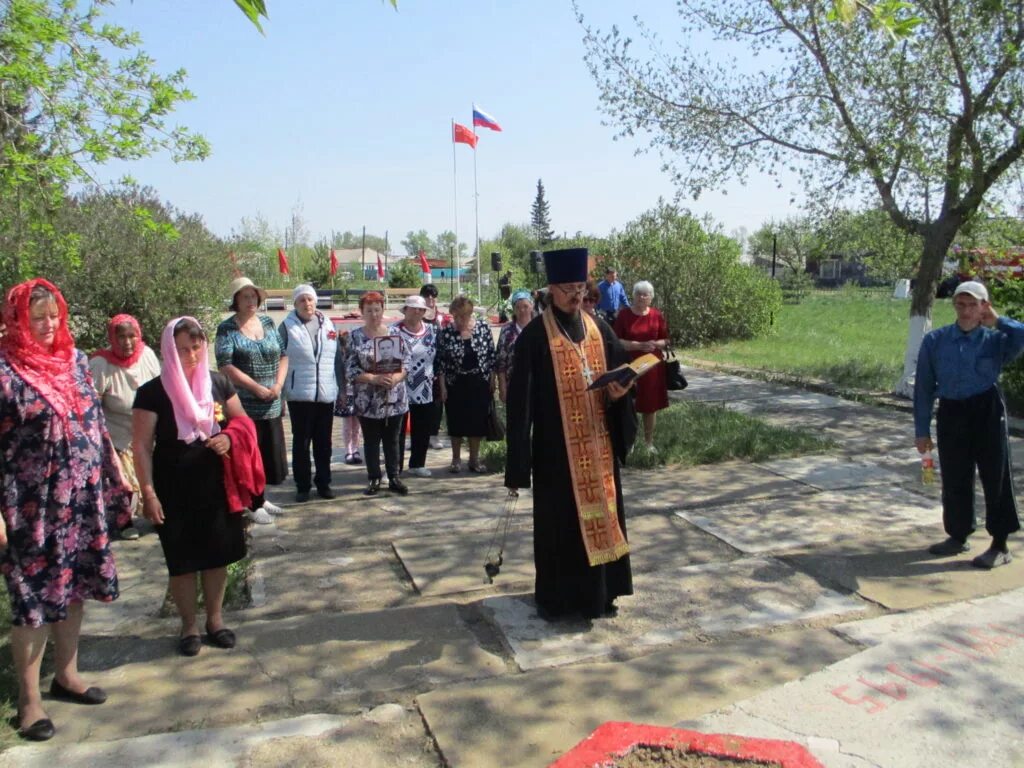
(794, 240)
(540, 216)
(75, 92)
(136, 254)
(700, 285)
(926, 125)
(415, 242)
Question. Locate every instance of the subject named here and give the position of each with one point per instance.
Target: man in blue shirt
(613, 296)
(960, 364)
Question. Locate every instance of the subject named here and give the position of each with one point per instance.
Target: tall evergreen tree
(540, 216)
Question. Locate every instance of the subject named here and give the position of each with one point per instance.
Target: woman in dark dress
(465, 359)
(178, 450)
(59, 476)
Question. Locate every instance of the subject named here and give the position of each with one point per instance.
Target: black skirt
(469, 398)
(270, 438)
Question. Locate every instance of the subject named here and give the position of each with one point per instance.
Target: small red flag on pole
(334, 263)
(380, 269)
(463, 135)
(282, 261)
(424, 264)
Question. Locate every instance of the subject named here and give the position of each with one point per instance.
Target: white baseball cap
(972, 288)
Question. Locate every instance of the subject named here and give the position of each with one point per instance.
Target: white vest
(310, 378)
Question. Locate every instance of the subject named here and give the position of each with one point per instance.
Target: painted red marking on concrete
(978, 644)
(612, 740)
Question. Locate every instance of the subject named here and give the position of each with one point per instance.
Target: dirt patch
(666, 757)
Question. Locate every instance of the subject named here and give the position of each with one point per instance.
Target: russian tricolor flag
(484, 120)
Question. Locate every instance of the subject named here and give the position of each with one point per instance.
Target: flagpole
(476, 234)
(455, 191)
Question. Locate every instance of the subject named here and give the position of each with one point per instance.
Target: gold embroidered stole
(587, 441)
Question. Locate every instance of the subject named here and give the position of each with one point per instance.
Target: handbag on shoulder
(495, 429)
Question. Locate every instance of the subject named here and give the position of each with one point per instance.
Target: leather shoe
(222, 638)
(326, 492)
(373, 488)
(302, 497)
(40, 730)
(949, 547)
(397, 486)
(190, 645)
(93, 695)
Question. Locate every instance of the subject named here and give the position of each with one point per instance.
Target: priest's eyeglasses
(571, 289)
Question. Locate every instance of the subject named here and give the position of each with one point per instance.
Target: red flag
(282, 261)
(463, 135)
(380, 269)
(334, 263)
(424, 266)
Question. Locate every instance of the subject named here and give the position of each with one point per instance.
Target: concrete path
(792, 598)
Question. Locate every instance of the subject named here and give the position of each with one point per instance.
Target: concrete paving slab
(949, 693)
(447, 565)
(906, 576)
(142, 577)
(530, 720)
(679, 488)
(877, 630)
(829, 518)
(796, 401)
(830, 473)
(185, 749)
(672, 606)
(345, 579)
(283, 666)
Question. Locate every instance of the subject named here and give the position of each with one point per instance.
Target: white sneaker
(435, 442)
(420, 472)
(260, 517)
(272, 509)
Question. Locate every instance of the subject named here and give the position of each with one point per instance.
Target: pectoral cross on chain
(588, 375)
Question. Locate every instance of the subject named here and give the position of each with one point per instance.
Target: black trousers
(375, 433)
(972, 433)
(311, 423)
(425, 421)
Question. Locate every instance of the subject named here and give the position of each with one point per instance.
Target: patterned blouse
(506, 342)
(259, 360)
(423, 347)
(372, 401)
(450, 350)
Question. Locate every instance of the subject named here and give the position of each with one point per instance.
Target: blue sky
(344, 108)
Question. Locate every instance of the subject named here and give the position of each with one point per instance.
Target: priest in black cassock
(572, 441)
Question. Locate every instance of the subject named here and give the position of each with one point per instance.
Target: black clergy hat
(568, 265)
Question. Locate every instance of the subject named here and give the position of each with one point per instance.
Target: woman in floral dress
(465, 357)
(60, 475)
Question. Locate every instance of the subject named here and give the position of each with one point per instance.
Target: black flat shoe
(190, 645)
(40, 730)
(397, 486)
(222, 638)
(326, 492)
(302, 496)
(372, 489)
(93, 695)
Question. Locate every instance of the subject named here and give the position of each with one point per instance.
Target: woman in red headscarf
(60, 477)
(117, 372)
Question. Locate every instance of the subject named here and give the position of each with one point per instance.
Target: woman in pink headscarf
(178, 447)
(117, 372)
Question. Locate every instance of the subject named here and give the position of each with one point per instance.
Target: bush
(138, 255)
(704, 291)
(1008, 299)
(404, 274)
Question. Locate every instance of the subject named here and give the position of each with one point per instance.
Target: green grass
(690, 433)
(853, 338)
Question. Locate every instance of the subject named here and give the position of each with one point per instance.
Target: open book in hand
(624, 374)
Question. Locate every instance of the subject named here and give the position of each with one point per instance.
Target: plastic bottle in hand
(928, 468)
